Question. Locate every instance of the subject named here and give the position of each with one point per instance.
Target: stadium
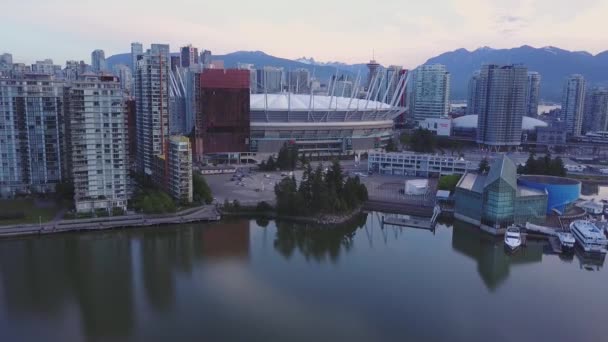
(320, 124)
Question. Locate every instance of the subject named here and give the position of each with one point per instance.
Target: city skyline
(329, 37)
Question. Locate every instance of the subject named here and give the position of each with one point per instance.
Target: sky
(402, 32)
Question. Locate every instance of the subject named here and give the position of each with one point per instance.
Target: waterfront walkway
(200, 214)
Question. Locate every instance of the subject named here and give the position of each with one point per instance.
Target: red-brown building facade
(222, 112)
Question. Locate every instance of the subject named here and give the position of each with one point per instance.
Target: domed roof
(470, 121)
(302, 102)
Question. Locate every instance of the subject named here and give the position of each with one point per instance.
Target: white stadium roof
(302, 102)
(470, 121)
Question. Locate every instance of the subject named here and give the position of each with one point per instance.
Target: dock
(556, 246)
(412, 222)
(409, 222)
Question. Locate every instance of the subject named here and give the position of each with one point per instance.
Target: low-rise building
(551, 135)
(439, 126)
(494, 201)
(417, 165)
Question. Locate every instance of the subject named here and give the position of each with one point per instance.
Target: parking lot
(248, 188)
(391, 189)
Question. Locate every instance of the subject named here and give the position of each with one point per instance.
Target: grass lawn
(33, 213)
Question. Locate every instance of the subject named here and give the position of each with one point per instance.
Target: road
(204, 213)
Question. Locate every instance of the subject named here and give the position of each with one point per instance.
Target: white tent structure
(416, 186)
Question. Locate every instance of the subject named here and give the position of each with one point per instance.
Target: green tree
(484, 165)
(448, 182)
(391, 146)
(201, 190)
(65, 191)
(422, 141)
(335, 177)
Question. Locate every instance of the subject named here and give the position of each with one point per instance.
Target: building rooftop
(524, 191)
(504, 168)
(180, 138)
(473, 182)
(501, 168)
(470, 121)
(302, 102)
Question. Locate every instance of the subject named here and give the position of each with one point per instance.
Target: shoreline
(207, 213)
(323, 220)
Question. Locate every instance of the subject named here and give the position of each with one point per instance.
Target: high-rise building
(298, 81)
(343, 88)
(6, 63)
(131, 124)
(189, 56)
(222, 118)
(30, 134)
(502, 104)
(176, 62)
(180, 169)
(178, 102)
(74, 69)
(173, 170)
(125, 76)
(473, 95)
(46, 67)
(152, 96)
(205, 59)
(391, 81)
(270, 80)
(98, 60)
(96, 138)
(573, 104)
(253, 76)
(372, 72)
(532, 93)
(137, 49)
(596, 110)
(430, 96)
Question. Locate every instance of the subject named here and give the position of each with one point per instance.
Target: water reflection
(45, 275)
(314, 243)
(228, 241)
(223, 282)
(493, 263)
(589, 262)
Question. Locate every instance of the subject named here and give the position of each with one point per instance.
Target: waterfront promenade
(200, 214)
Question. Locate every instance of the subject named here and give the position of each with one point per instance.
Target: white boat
(566, 240)
(513, 238)
(589, 236)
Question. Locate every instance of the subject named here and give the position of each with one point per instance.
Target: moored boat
(513, 238)
(589, 236)
(566, 240)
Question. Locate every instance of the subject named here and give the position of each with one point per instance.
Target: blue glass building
(495, 200)
(562, 192)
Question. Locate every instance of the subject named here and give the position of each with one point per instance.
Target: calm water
(251, 281)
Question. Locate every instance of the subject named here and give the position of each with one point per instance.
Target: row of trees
(286, 160)
(543, 166)
(149, 199)
(320, 192)
(421, 140)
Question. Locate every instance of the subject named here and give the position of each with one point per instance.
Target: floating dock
(406, 221)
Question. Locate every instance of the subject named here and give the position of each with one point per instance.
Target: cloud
(404, 33)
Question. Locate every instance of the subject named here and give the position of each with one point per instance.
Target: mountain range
(554, 65)
(260, 59)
